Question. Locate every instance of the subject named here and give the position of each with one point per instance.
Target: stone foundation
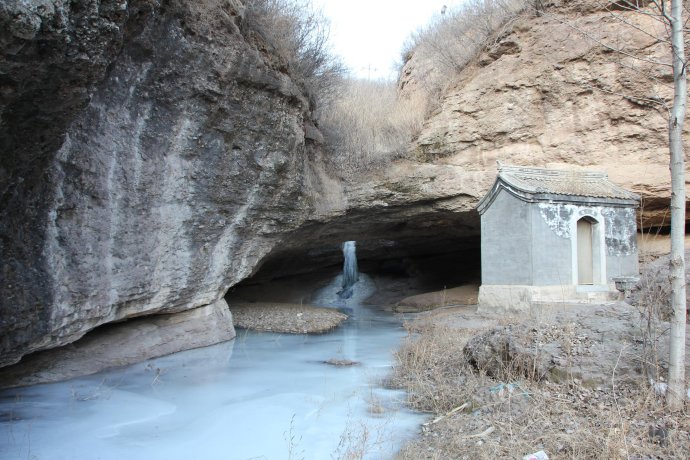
(524, 300)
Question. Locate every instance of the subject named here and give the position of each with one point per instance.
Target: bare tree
(676, 380)
(672, 18)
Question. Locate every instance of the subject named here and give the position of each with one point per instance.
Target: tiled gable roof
(560, 182)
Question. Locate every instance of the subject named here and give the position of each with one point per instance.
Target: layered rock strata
(553, 92)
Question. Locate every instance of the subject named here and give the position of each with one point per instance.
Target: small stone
(341, 362)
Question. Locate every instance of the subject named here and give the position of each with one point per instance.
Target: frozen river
(261, 396)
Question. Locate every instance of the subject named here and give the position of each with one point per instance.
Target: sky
(369, 34)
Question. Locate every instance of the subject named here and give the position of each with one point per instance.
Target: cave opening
(400, 268)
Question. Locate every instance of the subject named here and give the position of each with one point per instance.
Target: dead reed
(368, 125)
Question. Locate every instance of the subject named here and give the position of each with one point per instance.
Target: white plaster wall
(551, 244)
(555, 249)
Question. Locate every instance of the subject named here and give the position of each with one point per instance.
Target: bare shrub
(653, 291)
(652, 298)
(450, 41)
(508, 353)
(368, 125)
(515, 416)
(364, 122)
(298, 34)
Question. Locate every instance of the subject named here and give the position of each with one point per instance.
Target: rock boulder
(152, 155)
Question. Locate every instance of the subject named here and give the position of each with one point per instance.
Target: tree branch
(609, 47)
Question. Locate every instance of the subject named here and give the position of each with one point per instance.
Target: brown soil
(285, 317)
(461, 295)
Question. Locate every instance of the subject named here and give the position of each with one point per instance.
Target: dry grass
(452, 40)
(517, 416)
(354, 442)
(297, 34)
(432, 369)
(369, 126)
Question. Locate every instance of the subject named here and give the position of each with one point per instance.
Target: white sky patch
(369, 34)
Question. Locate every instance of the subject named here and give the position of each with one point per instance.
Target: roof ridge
(553, 172)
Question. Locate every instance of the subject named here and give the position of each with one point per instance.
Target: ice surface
(262, 396)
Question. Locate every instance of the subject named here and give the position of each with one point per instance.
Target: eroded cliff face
(152, 154)
(551, 92)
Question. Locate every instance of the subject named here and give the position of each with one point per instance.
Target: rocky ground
(285, 317)
(124, 343)
(573, 382)
(653, 290)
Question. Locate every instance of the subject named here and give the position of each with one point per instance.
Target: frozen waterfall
(350, 274)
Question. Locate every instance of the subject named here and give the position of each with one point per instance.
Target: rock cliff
(152, 151)
(548, 92)
(156, 153)
(551, 92)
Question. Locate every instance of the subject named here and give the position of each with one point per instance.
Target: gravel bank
(285, 317)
